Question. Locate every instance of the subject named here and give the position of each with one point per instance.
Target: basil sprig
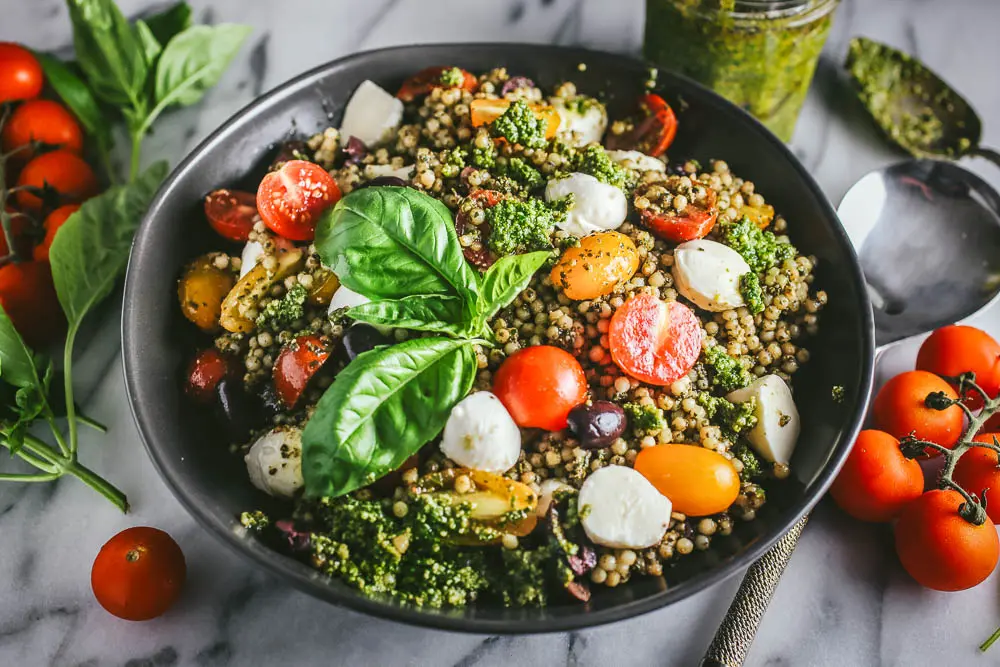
(398, 247)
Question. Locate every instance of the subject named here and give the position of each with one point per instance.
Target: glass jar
(759, 55)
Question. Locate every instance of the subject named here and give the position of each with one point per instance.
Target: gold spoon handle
(732, 640)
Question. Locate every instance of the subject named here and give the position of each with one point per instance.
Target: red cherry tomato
(291, 199)
(957, 349)
(231, 213)
(877, 481)
(428, 79)
(28, 296)
(21, 76)
(45, 121)
(53, 221)
(296, 365)
(653, 130)
(138, 574)
(61, 170)
(655, 341)
(207, 369)
(695, 222)
(478, 254)
(939, 548)
(900, 409)
(539, 385)
(978, 472)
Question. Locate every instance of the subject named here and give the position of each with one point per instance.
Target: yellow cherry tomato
(697, 481)
(596, 266)
(201, 291)
(485, 111)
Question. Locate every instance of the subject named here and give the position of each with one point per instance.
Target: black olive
(239, 412)
(597, 425)
(384, 180)
(360, 338)
(270, 402)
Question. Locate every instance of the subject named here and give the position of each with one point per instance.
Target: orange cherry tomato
(900, 410)
(291, 199)
(596, 266)
(695, 222)
(201, 291)
(28, 296)
(957, 349)
(296, 365)
(138, 574)
(45, 121)
(653, 130)
(877, 481)
(697, 481)
(207, 369)
(978, 472)
(655, 341)
(61, 170)
(21, 76)
(539, 385)
(939, 548)
(231, 213)
(428, 79)
(53, 221)
(484, 112)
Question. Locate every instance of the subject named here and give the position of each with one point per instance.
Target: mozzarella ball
(708, 273)
(371, 114)
(620, 508)
(636, 160)
(274, 462)
(582, 120)
(777, 430)
(597, 206)
(480, 434)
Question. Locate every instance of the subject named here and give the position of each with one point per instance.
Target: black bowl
(213, 485)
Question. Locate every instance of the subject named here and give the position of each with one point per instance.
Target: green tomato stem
(990, 641)
(99, 484)
(68, 387)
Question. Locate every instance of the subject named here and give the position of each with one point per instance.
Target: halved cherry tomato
(655, 341)
(484, 112)
(296, 365)
(207, 369)
(957, 349)
(695, 222)
(201, 291)
(978, 472)
(28, 295)
(21, 76)
(539, 385)
(653, 130)
(877, 481)
(428, 79)
(53, 221)
(45, 121)
(697, 481)
(231, 213)
(900, 409)
(138, 574)
(596, 266)
(478, 253)
(291, 199)
(63, 171)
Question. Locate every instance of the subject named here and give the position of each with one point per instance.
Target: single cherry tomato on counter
(695, 222)
(596, 266)
(877, 481)
(231, 213)
(53, 221)
(138, 574)
(21, 76)
(697, 481)
(939, 548)
(45, 121)
(655, 341)
(61, 170)
(296, 365)
(207, 369)
(428, 79)
(291, 199)
(485, 111)
(653, 130)
(900, 409)
(28, 296)
(978, 472)
(539, 385)
(957, 349)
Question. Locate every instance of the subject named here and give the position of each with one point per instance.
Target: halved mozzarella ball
(274, 462)
(377, 170)
(480, 434)
(596, 206)
(777, 430)
(345, 297)
(252, 253)
(620, 508)
(708, 273)
(582, 120)
(636, 160)
(371, 114)
(546, 491)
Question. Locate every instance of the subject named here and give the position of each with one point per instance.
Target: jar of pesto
(759, 55)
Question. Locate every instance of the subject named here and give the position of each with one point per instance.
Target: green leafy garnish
(761, 249)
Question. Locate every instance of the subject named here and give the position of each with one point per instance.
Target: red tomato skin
(231, 213)
(296, 365)
(681, 228)
(28, 296)
(658, 107)
(53, 221)
(939, 548)
(428, 79)
(978, 472)
(899, 409)
(138, 574)
(21, 75)
(18, 226)
(877, 481)
(206, 370)
(291, 199)
(655, 341)
(956, 349)
(654, 128)
(539, 385)
(63, 170)
(45, 121)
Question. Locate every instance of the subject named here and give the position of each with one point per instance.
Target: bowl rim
(314, 584)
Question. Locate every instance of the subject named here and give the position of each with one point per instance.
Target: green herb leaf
(75, 93)
(194, 61)
(109, 52)
(19, 367)
(150, 45)
(17, 361)
(168, 23)
(428, 312)
(381, 409)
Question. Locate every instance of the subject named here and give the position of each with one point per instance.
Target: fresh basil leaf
(419, 313)
(506, 279)
(381, 409)
(75, 93)
(392, 242)
(150, 45)
(164, 25)
(17, 361)
(109, 52)
(194, 60)
(91, 248)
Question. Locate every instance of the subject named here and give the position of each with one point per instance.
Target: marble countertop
(844, 600)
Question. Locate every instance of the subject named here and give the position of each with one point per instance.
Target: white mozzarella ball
(636, 160)
(371, 114)
(345, 297)
(708, 273)
(274, 462)
(620, 508)
(480, 434)
(582, 121)
(597, 206)
(252, 252)
(376, 170)
(777, 430)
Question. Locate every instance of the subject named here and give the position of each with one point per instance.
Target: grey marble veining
(844, 601)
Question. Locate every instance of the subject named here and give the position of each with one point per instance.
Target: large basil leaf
(91, 248)
(419, 313)
(506, 279)
(109, 52)
(150, 45)
(392, 242)
(381, 409)
(164, 25)
(75, 94)
(194, 61)
(17, 362)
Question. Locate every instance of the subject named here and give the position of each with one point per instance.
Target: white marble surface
(844, 601)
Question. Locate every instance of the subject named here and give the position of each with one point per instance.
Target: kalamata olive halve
(361, 338)
(598, 424)
(238, 412)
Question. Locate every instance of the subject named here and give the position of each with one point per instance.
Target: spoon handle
(736, 633)
(988, 154)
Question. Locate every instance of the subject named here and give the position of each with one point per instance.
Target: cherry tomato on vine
(900, 409)
(653, 129)
(231, 213)
(45, 121)
(61, 170)
(21, 76)
(695, 222)
(291, 199)
(208, 368)
(428, 79)
(957, 349)
(28, 296)
(138, 574)
(53, 221)
(296, 365)
(877, 481)
(939, 548)
(978, 472)
(655, 341)
(539, 385)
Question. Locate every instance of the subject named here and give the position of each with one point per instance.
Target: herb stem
(92, 423)
(133, 170)
(60, 440)
(68, 386)
(99, 484)
(990, 641)
(29, 477)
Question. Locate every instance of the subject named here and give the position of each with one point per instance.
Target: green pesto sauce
(593, 160)
(762, 63)
(752, 467)
(452, 77)
(484, 158)
(519, 125)
(521, 226)
(729, 374)
(281, 313)
(734, 418)
(753, 293)
(760, 248)
(644, 419)
(522, 173)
